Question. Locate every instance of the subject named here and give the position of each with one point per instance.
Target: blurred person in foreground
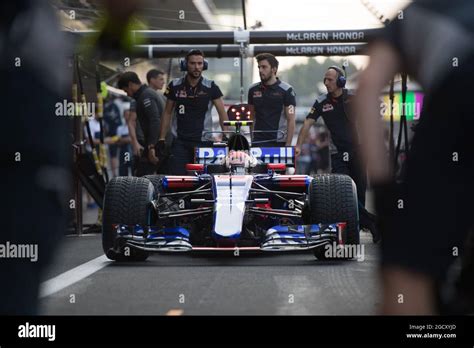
(434, 43)
(36, 149)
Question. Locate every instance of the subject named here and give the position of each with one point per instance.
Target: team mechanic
(190, 97)
(333, 107)
(148, 110)
(273, 104)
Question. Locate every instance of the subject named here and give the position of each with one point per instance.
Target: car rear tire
(156, 180)
(333, 198)
(126, 201)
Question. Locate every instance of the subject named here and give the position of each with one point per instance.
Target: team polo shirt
(334, 112)
(193, 106)
(269, 103)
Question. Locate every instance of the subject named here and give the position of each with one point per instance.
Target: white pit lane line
(72, 276)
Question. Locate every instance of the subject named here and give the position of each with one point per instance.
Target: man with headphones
(189, 99)
(332, 108)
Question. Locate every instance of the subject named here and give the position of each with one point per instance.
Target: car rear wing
(214, 155)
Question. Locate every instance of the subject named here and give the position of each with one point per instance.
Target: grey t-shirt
(138, 128)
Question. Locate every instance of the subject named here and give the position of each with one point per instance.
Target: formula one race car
(235, 198)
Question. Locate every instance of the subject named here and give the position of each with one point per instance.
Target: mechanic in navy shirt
(191, 97)
(273, 103)
(333, 107)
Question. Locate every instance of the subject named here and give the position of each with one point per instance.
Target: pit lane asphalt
(181, 284)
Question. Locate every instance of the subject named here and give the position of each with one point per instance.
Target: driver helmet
(238, 158)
